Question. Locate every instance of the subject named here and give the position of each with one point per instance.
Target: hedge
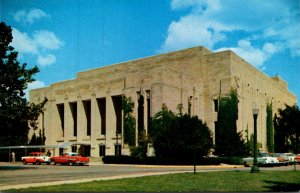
(124, 159)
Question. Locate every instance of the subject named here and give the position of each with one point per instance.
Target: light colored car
(36, 158)
(283, 159)
(289, 157)
(263, 159)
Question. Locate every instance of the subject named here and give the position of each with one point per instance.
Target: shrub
(180, 137)
(167, 161)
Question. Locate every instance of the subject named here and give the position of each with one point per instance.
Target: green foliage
(229, 142)
(125, 159)
(178, 137)
(270, 129)
(250, 144)
(15, 111)
(129, 121)
(38, 140)
(141, 150)
(287, 129)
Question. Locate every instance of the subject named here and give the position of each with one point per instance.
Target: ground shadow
(282, 186)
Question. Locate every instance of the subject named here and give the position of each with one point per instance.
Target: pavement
(18, 186)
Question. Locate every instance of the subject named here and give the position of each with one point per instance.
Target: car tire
(48, 163)
(70, 163)
(38, 163)
(24, 162)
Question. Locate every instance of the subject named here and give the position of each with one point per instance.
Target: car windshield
(265, 155)
(71, 154)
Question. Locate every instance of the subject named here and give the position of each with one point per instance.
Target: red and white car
(69, 158)
(36, 158)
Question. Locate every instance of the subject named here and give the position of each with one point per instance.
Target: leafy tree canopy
(179, 136)
(229, 142)
(287, 129)
(15, 110)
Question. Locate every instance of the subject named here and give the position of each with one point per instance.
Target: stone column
(68, 133)
(81, 133)
(95, 129)
(110, 125)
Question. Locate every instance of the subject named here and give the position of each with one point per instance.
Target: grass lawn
(234, 181)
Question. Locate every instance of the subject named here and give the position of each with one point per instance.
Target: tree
(129, 121)
(15, 110)
(287, 129)
(178, 137)
(270, 129)
(229, 142)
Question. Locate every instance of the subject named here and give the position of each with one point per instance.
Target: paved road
(19, 176)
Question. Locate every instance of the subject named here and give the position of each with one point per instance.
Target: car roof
(71, 153)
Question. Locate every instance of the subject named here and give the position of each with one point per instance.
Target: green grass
(235, 181)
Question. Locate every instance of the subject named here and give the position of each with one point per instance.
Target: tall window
(101, 150)
(102, 109)
(190, 105)
(140, 113)
(117, 101)
(87, 110)
(61, 112)
(148, 111)
(73, 107)
(216, 105)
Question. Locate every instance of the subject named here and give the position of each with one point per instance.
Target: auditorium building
(86, 112)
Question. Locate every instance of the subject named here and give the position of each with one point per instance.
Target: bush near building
(124, 159)
(179, 137)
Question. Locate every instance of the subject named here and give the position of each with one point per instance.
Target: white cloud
(192, 31)
(23, 43)
(33, 85)
(46, 60)
(29, 17)
(46, 39)
(38, 45)
(210, 22)
(255, 56)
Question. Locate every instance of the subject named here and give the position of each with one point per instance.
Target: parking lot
(18, 175)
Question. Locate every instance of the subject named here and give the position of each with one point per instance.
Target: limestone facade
(87, 110)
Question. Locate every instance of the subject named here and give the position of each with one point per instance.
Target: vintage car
(289, 158)
(263, 159)
(36, 158)
(297, 158)
(283, 160)
(69, 158)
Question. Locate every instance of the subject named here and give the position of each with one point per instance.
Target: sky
(64, 37)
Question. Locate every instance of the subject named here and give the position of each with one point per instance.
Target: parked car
(70, 158)
(283, 160)
(263, 159)
(36, 158)
(289, 157)
(297, 158)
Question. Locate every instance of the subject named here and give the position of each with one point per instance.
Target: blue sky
(64, 37)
